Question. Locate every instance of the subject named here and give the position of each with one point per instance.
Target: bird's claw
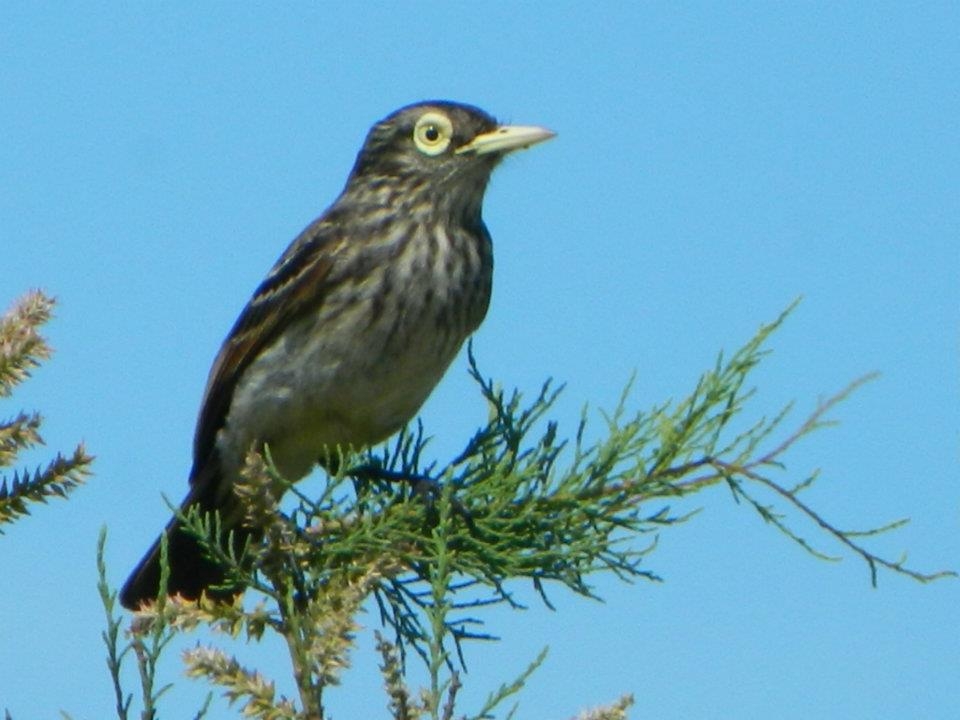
(422, 486)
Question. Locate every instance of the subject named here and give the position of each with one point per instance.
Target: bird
(353, 326)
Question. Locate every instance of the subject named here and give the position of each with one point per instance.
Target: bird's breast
(360, 366)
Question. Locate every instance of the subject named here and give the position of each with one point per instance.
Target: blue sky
(714, 162)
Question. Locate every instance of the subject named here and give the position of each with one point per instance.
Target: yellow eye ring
(432, 133)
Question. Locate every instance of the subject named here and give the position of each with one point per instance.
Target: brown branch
(729, 471)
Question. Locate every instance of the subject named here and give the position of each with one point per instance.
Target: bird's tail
(191, 570)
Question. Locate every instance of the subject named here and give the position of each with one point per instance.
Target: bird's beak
(506, 138)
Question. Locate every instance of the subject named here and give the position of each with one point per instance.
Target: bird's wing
(295, 286)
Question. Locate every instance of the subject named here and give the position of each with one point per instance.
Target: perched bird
(354, 325)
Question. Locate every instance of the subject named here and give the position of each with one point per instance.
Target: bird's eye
(432, 133)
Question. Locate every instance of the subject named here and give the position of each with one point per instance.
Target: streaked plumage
(357, 321)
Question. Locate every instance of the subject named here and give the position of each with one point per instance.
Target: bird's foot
(422, 486)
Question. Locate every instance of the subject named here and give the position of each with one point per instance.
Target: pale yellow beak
(506, 138)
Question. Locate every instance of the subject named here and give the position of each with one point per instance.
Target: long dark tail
(191, 571)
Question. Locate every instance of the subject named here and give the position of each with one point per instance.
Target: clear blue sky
(713, 162)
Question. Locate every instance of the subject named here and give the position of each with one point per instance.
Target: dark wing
(294, 287)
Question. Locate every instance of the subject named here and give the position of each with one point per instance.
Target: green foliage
(22, 349)
(435, 546)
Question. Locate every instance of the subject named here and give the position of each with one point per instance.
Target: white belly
(343, 377)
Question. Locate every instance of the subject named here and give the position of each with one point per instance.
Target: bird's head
(442, 149)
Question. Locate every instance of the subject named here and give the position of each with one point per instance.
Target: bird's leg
(422, 485)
